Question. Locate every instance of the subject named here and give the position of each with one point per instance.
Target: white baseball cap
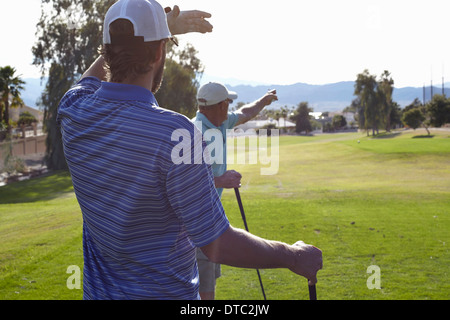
(213, 93)
(147, 16)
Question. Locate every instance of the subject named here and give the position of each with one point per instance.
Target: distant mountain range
(33, 90)
(327, 97)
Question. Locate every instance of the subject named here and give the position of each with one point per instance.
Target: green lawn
(382, 201)
(40, 230)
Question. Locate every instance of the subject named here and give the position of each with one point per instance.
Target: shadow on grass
(387, 135)
(45, 187)
(423, 136)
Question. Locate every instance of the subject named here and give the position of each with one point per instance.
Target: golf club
(312, 292)
(238, 197)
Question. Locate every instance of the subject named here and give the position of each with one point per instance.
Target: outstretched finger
(197, 14)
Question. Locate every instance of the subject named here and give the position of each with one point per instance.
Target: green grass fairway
(384, 201)
(40, 230)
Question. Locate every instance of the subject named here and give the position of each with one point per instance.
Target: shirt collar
(205, 121)
(120, 91)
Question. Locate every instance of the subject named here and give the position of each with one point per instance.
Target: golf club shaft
(241, 208)
(312, 292)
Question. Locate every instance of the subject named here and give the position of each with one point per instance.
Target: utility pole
(431, 87)
(424, 94)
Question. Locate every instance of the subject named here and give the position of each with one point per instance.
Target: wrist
(285, 255)
(218, 182)
(290, 257)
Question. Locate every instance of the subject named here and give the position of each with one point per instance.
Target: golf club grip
(312, 292)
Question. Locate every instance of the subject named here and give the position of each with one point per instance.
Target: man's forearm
(251, 110)
(239, 248)
(96, 70)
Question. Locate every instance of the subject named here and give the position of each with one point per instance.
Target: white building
(282, 123)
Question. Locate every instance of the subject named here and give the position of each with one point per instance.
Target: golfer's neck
(213, 117)
(145, 81)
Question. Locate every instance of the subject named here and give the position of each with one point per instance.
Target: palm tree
(10, 85)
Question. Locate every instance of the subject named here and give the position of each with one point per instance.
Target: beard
(158, 79)
(159, 74)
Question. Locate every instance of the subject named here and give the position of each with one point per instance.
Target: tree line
(435, 113)
(374, 109)
(68, 40)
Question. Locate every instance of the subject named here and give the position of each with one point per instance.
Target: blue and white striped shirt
(143, 215)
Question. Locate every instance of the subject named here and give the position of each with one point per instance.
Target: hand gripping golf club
(238, 197)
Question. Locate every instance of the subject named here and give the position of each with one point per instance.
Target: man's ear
(223, 104)
(160, 53)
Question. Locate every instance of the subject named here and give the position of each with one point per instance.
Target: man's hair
(121, 61)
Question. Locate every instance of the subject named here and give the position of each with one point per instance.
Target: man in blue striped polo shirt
(143, 214)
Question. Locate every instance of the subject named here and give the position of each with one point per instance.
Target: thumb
(176, 11)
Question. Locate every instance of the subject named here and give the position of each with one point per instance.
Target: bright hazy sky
(289, 41)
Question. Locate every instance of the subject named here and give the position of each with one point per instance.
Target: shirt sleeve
(193, 197)
(83, 87)
(233, 118)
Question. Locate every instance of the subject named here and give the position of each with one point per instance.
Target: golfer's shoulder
(232, 120)
(86, 85)
(176, 120)
(83, 87)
